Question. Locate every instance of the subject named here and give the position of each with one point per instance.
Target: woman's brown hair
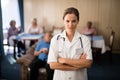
(71, 10)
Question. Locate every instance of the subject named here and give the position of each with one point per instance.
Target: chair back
(112, 36)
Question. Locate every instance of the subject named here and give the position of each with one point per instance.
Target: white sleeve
(87, 47)
(53, 51)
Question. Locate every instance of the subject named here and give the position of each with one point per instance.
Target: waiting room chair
(7, 46)
(25, 61)
(109, 48)
(96, 52)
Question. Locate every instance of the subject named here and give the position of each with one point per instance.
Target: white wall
(103, 13)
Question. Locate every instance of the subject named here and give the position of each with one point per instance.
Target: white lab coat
(63, 48)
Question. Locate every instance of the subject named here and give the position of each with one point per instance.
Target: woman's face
(70, 22)
(34, 23)
(13, 24)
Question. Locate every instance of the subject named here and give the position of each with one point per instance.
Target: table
(98, 42)
(25, 36)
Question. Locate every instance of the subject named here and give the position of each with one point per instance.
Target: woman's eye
(74, 21)
(67, 20)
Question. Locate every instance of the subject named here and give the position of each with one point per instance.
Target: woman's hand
(61, 60)
(83, 56)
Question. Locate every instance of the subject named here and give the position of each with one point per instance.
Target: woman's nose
(70, 24)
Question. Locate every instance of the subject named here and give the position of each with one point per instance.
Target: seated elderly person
(12, 31)
(34, 28)
(89, 30)
(41, 53)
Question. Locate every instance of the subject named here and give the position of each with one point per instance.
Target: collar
(76, 35)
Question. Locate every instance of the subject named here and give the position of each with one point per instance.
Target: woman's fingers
(83, 56)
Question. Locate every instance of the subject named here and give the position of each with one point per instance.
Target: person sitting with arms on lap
(34, 29)
(41, 53)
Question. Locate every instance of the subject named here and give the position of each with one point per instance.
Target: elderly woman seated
(12, 31)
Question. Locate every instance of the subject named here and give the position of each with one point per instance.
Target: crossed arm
(71, 64)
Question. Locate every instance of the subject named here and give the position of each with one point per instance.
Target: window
(10, 11)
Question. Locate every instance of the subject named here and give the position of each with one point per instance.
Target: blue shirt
(42, 44)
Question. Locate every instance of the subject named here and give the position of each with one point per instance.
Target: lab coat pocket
(78, 53)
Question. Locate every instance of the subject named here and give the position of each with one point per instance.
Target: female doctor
(70, 52)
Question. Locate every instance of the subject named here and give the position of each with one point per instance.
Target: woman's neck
(34, 26)
(13, 26)
(70, 35)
